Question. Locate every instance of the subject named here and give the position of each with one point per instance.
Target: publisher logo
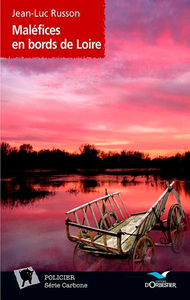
(159, 275)
(160, 282)
(26, 277)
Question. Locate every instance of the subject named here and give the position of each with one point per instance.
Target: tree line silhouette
(25, 158)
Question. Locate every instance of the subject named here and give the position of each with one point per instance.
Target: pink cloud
(135, 98)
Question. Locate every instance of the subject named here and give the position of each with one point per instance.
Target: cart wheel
(176, 227)
(104, 223)
(82, 259)
(144, 254)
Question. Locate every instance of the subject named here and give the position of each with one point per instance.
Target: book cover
(95, 148)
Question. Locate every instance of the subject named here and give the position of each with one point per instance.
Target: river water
(33, 220)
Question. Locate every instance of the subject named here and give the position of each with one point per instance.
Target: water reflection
(88, 262)
(21, 192)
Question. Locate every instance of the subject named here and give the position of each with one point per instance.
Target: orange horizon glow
(152, 153)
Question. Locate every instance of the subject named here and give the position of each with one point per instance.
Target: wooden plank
(108, 213)
(164, 202)
(157, 209)
(147, 224)
(76, 218)
(79, 233)
(113, 209)
(127, 245)
(94, 217)
(91, 237)
(99, 209)
(105, 239)
(118, 207)
(151, 221)
(142, 228)
(123, 205)
(85, 217)
(139, 213)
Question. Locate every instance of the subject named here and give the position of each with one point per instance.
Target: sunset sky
(136, 98)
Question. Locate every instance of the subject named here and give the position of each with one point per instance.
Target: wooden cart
(104, 226)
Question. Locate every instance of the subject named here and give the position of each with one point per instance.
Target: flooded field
(33, 220)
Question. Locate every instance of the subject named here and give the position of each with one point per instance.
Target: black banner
(58, 285)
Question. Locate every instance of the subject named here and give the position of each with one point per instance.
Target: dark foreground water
(33, 220)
